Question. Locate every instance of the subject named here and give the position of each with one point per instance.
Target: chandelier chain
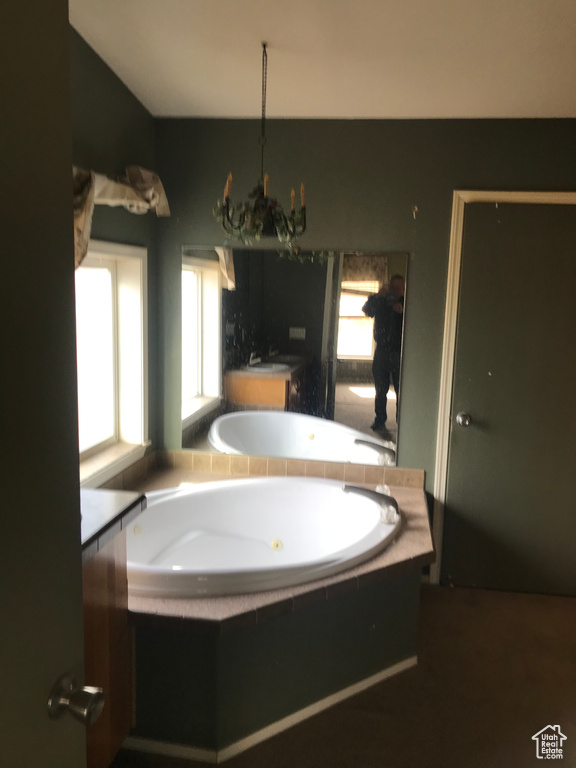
(263, 123)
(262, 216)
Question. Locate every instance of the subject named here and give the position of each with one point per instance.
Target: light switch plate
(297, 333)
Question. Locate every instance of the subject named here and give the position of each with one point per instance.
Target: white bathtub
(254, 534)
(297, 436)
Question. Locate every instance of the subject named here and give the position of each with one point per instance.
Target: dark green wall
(273, 294)
(364, 181)
(371, 185)
(111, 130)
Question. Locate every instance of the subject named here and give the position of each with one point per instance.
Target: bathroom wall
(371, 185)
(272, 295)
(111, 130)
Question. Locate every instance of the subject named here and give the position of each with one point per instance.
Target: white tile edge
(219, 756)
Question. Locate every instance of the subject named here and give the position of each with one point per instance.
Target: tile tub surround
(149, 472)
(215, 676)
(248, 466)
(202, 694)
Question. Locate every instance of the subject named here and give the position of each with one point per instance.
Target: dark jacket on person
(387, 322)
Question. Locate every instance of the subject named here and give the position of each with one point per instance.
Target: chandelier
(261, 215)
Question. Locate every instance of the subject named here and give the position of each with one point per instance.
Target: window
(96, 355)
(111, 358)
(354, 328)
(201, 337)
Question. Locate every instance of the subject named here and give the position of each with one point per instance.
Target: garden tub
(282, 434)
(254, 534)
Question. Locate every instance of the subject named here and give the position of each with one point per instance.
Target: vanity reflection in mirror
(292, 338)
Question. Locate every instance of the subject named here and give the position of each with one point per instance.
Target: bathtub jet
(254, 534)
(281, 434)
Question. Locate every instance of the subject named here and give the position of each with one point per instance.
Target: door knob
(463, 419)
(85, 704)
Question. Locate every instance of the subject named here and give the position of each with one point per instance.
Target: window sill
(108, 463)
(353, 358)
(198, 408)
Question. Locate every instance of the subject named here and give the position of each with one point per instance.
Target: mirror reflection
(315, 334)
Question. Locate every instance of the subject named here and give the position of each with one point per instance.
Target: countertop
(295, 365)
(104, 514)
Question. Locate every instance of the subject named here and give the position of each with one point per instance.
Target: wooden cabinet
(252, 390)
(108, 649)
(276, 390)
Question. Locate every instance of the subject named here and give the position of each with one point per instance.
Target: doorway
(349, 340)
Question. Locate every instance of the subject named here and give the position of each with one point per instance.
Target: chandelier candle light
(261, 215)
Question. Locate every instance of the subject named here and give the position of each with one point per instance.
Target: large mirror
(296, 336)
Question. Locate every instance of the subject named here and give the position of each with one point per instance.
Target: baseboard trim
(186, 752)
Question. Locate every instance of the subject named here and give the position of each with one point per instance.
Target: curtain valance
(139, 191)
(362, 266)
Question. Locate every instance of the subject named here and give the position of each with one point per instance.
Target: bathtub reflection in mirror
(294, 337)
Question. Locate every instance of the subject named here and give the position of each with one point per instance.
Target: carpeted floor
(354, 406)
(494, 669)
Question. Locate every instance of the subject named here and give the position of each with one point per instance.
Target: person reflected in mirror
(387, 309)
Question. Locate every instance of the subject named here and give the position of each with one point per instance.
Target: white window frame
(354, 317)
(210, 382)
(101, 463)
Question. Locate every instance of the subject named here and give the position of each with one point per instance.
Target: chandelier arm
(296, 223)
(231, 227)
(290, 224)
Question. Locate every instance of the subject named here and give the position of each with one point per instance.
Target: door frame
(330, 332)
(460, 199)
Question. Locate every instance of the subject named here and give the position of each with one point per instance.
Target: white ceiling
(340, 58)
